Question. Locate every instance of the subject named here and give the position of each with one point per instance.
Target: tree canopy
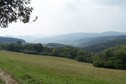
(14, 10)
(112, 58)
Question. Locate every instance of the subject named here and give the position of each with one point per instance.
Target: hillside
(35, 69)
(99, 40)
(102, 46)
(56, 45)
(10, 40)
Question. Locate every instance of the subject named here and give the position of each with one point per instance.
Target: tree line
(39, 49)
(110, 58)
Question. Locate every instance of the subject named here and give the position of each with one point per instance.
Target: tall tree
(13, 10)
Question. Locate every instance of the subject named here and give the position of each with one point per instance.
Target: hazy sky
(68, 16)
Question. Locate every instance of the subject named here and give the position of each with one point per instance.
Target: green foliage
(19, 43)
(14, 47)
(55, 52)
(112, 58)
(84, 56)
(33, 48)
(12, 10)
(56, 45)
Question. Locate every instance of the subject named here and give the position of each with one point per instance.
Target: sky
(70, 16)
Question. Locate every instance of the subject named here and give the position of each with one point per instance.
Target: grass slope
(32, 69)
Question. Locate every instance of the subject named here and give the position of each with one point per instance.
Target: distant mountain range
(10, 40)
(74, 39)
(31, 38)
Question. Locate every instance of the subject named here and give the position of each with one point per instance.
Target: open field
(33, 69)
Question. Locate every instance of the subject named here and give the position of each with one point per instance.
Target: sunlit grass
(33, 69)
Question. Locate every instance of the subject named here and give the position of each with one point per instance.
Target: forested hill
(10, 40)
(118, 40)
(98, 40)
(56, 45)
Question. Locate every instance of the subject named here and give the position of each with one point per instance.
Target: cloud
(110, 2)
(85, 15)
(75, 5)
(67, 16)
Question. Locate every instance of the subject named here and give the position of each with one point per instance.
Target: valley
(91, 60)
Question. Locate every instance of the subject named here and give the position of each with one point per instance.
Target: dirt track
(7, 78)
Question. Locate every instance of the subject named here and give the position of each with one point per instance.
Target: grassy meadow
(35, 69)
